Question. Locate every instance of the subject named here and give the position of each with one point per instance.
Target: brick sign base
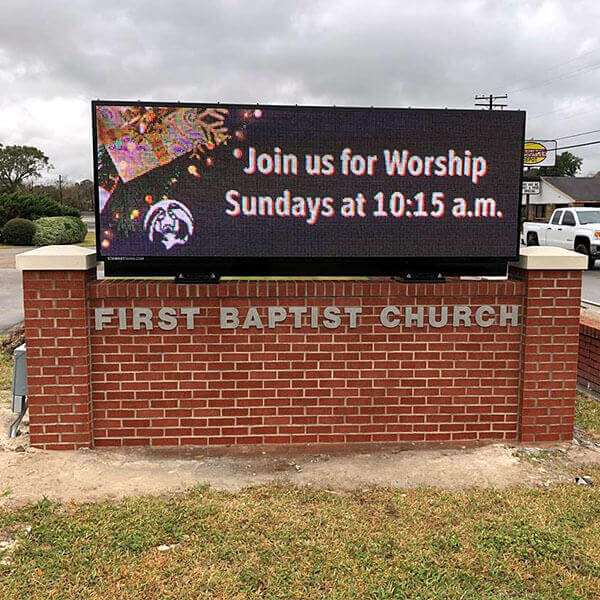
(589, 353)
(285, 385)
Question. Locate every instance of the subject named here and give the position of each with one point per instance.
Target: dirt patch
(29, 474)
(12, 338)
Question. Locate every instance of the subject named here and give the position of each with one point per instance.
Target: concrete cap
(550, 258)
(56, 258)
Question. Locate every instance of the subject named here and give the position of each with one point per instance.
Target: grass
(587, 415)
(6, 366)
(89, 241)
(283, 542)
(6, 371)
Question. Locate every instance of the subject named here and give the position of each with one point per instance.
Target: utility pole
(490, 101)
(60, 188)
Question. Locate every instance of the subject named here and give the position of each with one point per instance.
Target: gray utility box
(19, 382)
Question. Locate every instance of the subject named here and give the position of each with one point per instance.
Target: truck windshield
(588, 216)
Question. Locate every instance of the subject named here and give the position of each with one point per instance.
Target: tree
(567, 165)
(20, 163)
(78, 194)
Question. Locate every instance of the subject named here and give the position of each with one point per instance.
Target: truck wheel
(532, 239)
(583, 249)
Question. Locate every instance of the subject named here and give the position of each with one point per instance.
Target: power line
(560, 64)
(565, 137)
(578, 145)
(582, 69)
(544, 82)
(566, 62)
(551, 112)
(575, 116)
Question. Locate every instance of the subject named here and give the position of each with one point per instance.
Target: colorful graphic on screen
(306, 182)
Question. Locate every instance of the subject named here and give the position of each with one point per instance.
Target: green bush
(32, 207)
(59, 230)
(18, 232)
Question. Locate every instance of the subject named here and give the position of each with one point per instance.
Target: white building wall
(548, 195)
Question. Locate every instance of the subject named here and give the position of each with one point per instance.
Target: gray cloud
(55, 57)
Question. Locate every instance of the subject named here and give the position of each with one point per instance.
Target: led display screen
(192, 183)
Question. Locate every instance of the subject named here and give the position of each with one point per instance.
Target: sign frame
(211, 268)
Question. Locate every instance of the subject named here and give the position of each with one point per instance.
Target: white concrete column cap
(56, 258)
(550, 258)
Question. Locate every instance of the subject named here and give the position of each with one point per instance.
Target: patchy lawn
(6, 371)
(284, 542)
(89, 241)
(587, 416)
(6, 360)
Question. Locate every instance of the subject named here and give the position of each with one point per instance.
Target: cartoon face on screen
(169, 222)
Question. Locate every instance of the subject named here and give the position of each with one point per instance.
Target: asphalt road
(89, 219)
(11, 298)
(591, 284)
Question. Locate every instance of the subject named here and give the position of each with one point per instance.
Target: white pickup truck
(571, 228)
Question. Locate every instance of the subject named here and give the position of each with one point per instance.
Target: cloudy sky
(57, 56)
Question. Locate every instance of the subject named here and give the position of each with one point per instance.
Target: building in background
(558, 192)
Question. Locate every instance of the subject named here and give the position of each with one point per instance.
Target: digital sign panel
(261, 189)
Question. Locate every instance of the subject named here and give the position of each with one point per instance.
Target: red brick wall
(282, 386)
(216, 387)
(550, 345)
(588, 372)
(58, 358)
